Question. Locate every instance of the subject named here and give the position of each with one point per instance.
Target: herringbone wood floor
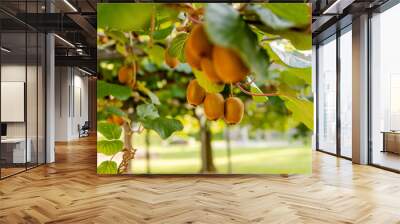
(69, 191)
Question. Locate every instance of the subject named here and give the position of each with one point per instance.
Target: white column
(360, 90)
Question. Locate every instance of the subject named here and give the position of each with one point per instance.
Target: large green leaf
(124, 16)
(109, 131)
(296, 13)
(226, 28)
(108, 89)
(269, 18)
(163, 126)
(176, 48)
(107, 167)
(302, 109)
(301, 73)
(147, 111)
(296, 28)
(301, 40)
(109, 147)
(206, 84)
(290, 56)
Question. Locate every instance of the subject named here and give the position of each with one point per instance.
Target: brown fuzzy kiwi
(198, 42)
(214, 106)
(228, 65)
(234, 110)
(125, 74)
(191, 58)
(172, 62)
(207, 66)
(114, 119)
(195, 94)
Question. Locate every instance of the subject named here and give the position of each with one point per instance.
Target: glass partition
(13, 94)
(327, 95)
(22, 88)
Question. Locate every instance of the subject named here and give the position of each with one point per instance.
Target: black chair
(84, 130)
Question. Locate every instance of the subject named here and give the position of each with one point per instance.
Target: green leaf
(302, 109)
(107, 167)
(165, 127)
(124, 16)
(301, 40)
(269, 18)
(109, 147)
(301, 73)
(117, 35)
(161, 34)
(108, 89)
(156, 54)
(153, 97)
(206, 84)
(297, 13)
(109, 131)
(226, 28)
(114, 110)
(176, 49)
(254, 89)
(147, 111)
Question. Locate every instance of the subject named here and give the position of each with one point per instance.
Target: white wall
(71, 102)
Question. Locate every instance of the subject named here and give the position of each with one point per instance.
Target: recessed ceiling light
(5, 50)
(84, 71)
(64, 40)
(70, 5)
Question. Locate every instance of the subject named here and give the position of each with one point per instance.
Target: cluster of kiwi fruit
(215, 106)
(220, 65)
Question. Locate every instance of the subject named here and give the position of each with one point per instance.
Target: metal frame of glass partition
(339, 32)
(382, 8)
(42, 53)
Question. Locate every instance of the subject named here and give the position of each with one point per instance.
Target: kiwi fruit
(207, 66)
(191, 58)
(228, 65)
(195, 94)
(214, 106)
(172, 62)
(114, 119)
(125, 74)
(198, 42)
(234, 110)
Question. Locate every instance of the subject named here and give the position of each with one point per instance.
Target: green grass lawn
(186, 160)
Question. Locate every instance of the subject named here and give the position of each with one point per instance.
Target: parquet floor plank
(69, 191)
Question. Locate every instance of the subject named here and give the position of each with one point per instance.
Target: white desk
(19, 155)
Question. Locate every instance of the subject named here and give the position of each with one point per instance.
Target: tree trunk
(128, 155)
(147, 145)
(207, 162)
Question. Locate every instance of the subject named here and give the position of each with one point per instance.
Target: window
(385, 89)
(346, 92)
(327, 96)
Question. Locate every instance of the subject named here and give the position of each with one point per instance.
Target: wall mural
(204, 88)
